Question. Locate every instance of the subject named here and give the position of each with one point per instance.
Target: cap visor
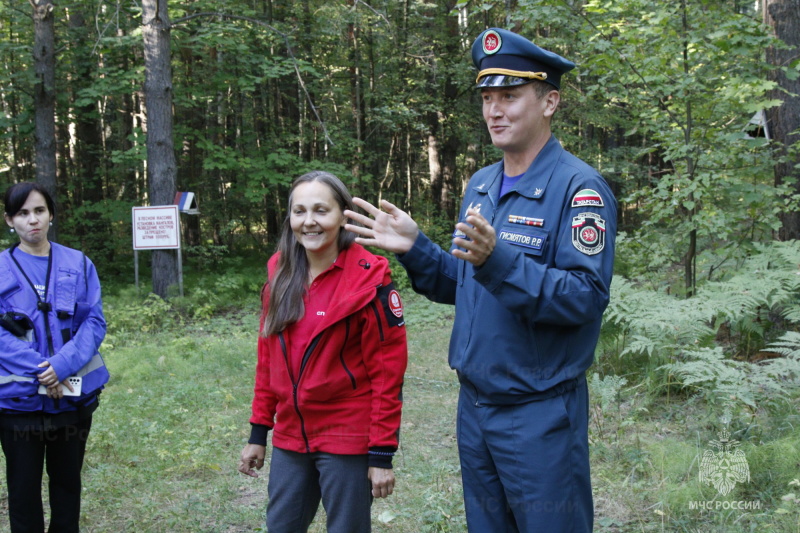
(501, 81)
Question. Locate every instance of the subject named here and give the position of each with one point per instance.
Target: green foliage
(728, 343)
(606, 390)
(207, 256)
(128, 315)
(790, 505)
(655, 323)
(725, 381)
(214, 285)
(606, 405)
(672, 87)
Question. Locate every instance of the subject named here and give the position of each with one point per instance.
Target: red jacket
(346, 398)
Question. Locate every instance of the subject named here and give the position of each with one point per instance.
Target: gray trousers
(298, 481)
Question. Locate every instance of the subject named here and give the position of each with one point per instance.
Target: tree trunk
(784, 121)
(44, 99)
(87, 176)
(690, 264)
(444, 180)
(161, 168)
(356, 97)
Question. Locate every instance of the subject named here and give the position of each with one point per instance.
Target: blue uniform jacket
(529, 318)
(77, 326)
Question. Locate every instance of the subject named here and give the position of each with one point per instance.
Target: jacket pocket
(66, 291)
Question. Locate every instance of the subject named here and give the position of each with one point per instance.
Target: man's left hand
(480, 242)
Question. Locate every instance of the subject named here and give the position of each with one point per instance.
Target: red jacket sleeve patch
(392, 305)
(395, 305)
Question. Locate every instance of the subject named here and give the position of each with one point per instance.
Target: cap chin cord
(507, 72)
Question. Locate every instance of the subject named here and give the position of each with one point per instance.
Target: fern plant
(656, 323)
(728, 382)
(707, 342)
(605, 392)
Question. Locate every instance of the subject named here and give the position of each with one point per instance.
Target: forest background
(689, 109)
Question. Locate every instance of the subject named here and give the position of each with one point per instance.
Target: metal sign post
(157, 228)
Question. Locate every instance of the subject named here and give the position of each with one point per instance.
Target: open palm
(390, 229)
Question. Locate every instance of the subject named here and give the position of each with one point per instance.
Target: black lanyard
(41, 303)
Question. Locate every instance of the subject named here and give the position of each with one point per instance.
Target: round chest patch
(491, 42)
(395, 305)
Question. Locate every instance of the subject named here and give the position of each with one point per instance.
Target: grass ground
(165, 442)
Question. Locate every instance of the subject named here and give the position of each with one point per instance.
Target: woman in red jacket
(331, 358)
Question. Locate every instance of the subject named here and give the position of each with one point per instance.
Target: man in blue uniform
(529, 273)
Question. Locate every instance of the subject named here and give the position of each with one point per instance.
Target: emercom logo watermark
(726, 466)
(723, 466)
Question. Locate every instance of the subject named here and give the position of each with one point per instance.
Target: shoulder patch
(587, 198)
(395, 305)
(589, 233)
(392, 305)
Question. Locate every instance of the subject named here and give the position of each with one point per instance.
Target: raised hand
(390, 229)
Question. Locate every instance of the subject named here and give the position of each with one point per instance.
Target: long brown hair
(288, 285)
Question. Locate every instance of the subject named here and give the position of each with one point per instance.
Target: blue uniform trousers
(525, 467)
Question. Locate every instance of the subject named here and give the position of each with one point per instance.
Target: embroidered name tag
(521, 239)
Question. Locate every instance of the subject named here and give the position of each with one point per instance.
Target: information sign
(156, 228)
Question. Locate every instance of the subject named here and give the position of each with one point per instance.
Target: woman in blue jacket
(50, 370)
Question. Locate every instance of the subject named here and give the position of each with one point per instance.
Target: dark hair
(17, 195)
(288, 285)
(542, 88)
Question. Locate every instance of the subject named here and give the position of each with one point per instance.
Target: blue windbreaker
(77, 327)
(529, 319)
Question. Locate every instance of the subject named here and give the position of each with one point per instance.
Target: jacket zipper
(295, 384)
(377, 318)
(341, 352)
